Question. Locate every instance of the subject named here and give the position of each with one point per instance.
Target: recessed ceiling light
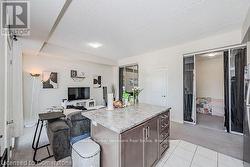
(95, 44)
(211, 55)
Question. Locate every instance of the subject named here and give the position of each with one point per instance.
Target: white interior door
(156, 88)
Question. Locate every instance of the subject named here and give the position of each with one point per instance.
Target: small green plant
(136, 92)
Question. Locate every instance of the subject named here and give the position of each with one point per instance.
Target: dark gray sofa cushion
(78, 124)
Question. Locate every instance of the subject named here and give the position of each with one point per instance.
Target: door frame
(229, 87)
(220, 49)
(120, 84)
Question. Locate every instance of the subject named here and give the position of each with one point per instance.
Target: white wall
(172, 59)
(246, 25)
(210, 77)
(52, 97)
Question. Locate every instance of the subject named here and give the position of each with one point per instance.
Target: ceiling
(132, 27)
(43, 14)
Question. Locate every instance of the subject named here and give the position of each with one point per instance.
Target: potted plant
(136, 92)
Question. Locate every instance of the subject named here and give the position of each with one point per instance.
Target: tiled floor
(185, 154)
(180, 154)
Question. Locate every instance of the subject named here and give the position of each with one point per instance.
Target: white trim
(229, 90)
(236, 133)
(194, 92)
(214, 50)
(193, 116)
(227, 48)
(126, 65)
(192, 123)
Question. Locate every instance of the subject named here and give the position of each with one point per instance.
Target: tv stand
(88, 103)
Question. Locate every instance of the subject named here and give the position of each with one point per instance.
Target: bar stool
(35, 144)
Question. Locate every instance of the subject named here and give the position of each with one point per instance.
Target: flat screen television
(78, 93)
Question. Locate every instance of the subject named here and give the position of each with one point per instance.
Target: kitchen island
(131, 136)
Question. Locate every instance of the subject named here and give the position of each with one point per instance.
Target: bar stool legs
(35, 143)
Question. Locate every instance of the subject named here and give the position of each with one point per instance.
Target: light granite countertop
(120, 120)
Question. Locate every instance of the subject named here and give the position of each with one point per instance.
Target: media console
(88, 103)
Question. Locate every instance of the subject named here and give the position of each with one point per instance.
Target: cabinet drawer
(164, 146)
(164, 118)
(164, 127)
(163, 135)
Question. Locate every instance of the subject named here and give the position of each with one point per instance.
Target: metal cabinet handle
(148, 129)
(9, 122)
(145, 133)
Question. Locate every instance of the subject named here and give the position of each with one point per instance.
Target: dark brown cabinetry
(151, 143)
(131, 145)
(164, 125)
(143, 145)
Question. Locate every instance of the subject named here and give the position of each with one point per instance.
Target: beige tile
(172, 146)
(184, 154)
(202, 161)
(176, 161)
(207, 153)
(187, 146)
(174, 143)
(194, 165)
(227, 161)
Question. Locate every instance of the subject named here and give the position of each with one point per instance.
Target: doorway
(128, 79)
(213, 88)
(210, 90)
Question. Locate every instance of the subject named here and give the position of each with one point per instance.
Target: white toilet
(86, 153)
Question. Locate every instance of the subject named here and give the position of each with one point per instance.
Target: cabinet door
(132, 147)
(151, 143)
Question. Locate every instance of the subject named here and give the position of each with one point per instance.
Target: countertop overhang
(122, 119)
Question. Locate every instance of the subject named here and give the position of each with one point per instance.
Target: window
(128, 78)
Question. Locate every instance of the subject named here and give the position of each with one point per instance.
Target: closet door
(236, 80)
(189, 89)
